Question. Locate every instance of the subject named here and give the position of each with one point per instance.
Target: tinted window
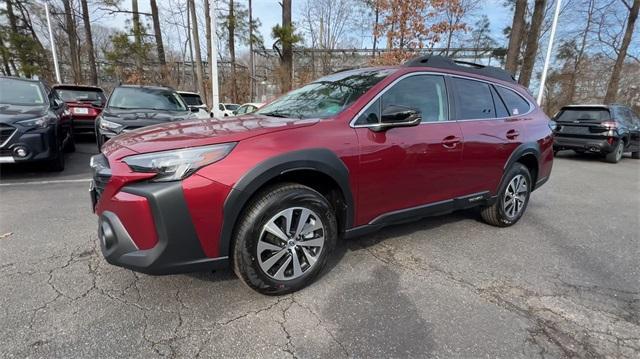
(17, 92)
(327, 96)
(424, 93)
(515, 103)
(577, 114)
(146, 98)
(473, 99)
(231, 107)
(192, 100)
(80, 95)
(501, 109)
(371, 115)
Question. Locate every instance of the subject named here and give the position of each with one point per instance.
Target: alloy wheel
(290, 243)
(515, 196)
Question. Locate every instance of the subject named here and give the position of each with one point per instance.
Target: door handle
(512, 134)
(450, 142)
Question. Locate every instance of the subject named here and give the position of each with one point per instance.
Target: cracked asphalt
(563, 282)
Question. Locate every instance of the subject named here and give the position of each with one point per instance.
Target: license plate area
(80, 111)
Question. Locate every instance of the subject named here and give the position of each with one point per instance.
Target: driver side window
(424, 93)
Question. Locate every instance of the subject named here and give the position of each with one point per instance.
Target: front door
(406, 167)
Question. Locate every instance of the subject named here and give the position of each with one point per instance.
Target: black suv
(35, 124)
(130, 107)
(608, 130)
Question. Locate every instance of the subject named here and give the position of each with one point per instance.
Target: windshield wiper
(276, 114)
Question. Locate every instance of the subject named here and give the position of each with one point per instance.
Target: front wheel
(283, 239)
(512, 199)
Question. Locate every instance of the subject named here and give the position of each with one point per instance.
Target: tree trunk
(158, 34)
(375, 28)
(232, 51)
(515, 40)
(580, 55)
(93, 73)
(73, 41)
(137, 34)
(5, 59)
(533, 36)
(196, 47)
(190, 42)
(207, 19)
(614, 81)
(287, 48)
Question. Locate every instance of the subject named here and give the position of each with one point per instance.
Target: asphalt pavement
(563, 282)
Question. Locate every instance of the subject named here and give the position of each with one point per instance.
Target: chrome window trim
(443, 74)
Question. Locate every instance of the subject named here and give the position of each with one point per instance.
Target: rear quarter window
(516, 105)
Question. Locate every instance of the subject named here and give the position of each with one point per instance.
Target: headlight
(36, 122)
(177, 164)
(109, 125)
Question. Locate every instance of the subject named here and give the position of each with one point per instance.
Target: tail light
(610, 140)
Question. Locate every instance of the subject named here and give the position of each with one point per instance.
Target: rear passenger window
(501, 109)
(515, 103)
(473, 99)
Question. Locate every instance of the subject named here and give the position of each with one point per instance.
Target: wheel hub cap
(290, 243)
(515, 196)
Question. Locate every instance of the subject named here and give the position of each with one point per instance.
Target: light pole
(214, 61)
(543, 79)
(52, 40)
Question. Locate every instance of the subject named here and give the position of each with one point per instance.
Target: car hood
(13, 113)
(149, 116)
(200, 132)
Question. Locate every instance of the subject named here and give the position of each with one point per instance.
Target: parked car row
(38, 122)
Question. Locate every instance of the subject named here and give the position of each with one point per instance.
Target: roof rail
(442, 62)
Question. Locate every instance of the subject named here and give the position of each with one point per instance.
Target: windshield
(327, 96)
(17, 92)
(80, 95)
(192, 100)
(584, 115)
(146, 98)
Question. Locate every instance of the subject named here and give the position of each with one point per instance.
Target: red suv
(271, 192)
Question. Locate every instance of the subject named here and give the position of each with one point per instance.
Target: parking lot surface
(563, 282)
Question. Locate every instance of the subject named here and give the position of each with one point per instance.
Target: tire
(70, 146)
(272, 270)
(616, 155)
(635, 155)
(500, 214)
(56, 164)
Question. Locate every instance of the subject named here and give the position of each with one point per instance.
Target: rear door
(491, 118)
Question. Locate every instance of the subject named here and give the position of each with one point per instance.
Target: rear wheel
(512, 199)
(616, 155)
(283, 239)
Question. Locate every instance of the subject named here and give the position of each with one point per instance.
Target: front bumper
(147, 227)
(597, 145)
(39, 144)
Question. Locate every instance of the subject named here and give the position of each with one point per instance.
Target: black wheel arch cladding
(317, 159)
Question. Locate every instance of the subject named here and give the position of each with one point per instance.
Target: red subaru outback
(271, 192)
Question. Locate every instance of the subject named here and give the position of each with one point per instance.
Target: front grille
(6, 132)
(101, 173)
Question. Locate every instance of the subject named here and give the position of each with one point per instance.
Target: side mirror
(57, 103)
(398, 116)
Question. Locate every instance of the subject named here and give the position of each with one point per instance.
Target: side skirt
(427, 210)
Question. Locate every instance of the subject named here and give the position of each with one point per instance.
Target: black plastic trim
(427, 210)
(316, 159)
(178, 249)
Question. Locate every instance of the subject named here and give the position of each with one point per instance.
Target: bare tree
(231, 28)
(614, 80)
(207, 17)
(158, 33)
(515, 38)
(533, 37)
(93, 73)
(73, 41)
(196, 40)
(287, 47)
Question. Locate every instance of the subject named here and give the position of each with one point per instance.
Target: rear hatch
(85, 102)
(584, 122)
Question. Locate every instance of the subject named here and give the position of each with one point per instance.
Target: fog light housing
(20, 151)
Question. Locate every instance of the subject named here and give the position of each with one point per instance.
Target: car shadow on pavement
(587, 157)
